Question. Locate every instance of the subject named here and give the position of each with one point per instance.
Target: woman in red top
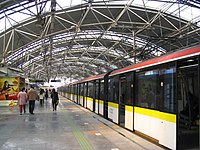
(22, 99)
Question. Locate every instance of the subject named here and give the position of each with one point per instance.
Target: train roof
(192, 51)
(101, 76)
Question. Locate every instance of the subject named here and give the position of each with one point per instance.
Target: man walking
(55, 99)
(32, 96)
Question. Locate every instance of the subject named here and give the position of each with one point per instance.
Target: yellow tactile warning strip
(79, 136)
(108, 128)
(102, 126)
(115, 127)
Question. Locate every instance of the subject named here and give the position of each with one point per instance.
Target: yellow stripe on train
(129, 108)
(156, 114)
(99, 101)
(89, 99)
(111, 104)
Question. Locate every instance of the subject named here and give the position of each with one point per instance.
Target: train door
(188, 103)
(122, 94)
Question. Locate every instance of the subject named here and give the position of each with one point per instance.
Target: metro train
(157, 99)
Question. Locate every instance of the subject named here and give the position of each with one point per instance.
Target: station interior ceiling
(46, 39)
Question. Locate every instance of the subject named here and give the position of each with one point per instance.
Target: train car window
(85, 89)
(101, 90)
(110, 90)
(90, 89)
(129, 89)
(75, 89)
(116, 89)
(166, 101)
(97, 89)
(156, 89)
(65, 89)
(113, 95)
(79, 89)
(146, 88)
(82, 89)
(71, 89)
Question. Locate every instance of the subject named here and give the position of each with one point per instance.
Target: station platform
(71, 127)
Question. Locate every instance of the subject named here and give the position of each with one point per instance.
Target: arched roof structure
(91, 37)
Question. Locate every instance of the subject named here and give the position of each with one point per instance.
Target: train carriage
(158, 98)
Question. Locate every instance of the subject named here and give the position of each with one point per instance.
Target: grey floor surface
(71, 127)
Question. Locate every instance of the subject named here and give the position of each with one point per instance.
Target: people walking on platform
(32, 96)
(55, 99)
(46, 94)
(41, 96)
(22, 99)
